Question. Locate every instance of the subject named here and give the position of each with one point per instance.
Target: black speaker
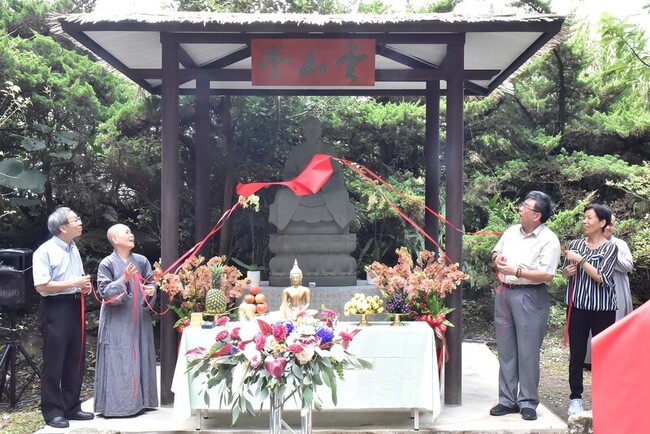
(19, 259)
(16, 279)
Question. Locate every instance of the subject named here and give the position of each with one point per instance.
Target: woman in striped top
(589, 266)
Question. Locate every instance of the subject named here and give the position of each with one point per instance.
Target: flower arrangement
(418, 289)
(192, 281)
(360, 304)
(254, 359)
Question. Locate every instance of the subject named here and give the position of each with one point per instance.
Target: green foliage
(380, 228)
(373, 7)
(579, 165)
(265, 6)
(438, 7)
(477, 248)
(637, 184)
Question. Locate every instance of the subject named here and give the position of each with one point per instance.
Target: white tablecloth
(404, 374)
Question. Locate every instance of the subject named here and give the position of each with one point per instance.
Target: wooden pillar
(202, 161)
(454, 213)
(169, 207)
(432, 162)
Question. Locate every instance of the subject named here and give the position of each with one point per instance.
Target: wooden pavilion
(205, 54)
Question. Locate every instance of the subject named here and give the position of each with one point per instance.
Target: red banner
(313, 62)
(620, 380)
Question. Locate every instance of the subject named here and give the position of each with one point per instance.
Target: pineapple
(215, 299)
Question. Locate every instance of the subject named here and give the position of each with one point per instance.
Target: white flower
(248, 331)
(305, 355)
(252, 354)
(305, 329)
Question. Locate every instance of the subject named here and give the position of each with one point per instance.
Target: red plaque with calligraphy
(313, 62)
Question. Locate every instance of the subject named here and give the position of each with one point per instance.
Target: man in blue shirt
(60, 280)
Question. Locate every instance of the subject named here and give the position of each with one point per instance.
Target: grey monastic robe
(125, 372)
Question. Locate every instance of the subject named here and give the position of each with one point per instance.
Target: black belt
(522, 286)
(75, 296)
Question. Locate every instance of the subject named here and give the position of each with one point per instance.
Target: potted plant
(253, 271)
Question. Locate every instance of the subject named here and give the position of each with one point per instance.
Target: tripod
(13, 349)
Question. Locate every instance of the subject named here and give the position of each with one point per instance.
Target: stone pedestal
(323, 258)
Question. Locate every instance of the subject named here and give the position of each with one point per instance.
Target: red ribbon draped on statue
(309, 181)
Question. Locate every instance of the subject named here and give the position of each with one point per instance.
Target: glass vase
(275, 415)
(305, 421)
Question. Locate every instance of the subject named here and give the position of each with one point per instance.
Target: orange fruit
(260, 298)
(249, 298)
(261, 308)
(254, 289)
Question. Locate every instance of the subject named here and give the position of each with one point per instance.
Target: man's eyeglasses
(75, 220)
(528, 207)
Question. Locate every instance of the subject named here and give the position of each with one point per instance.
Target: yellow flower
(360, 304)
(252, 200)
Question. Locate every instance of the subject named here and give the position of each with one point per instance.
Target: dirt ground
(477, 327)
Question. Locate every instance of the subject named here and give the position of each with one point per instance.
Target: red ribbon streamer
(568, 315)
(83, 332)
(317, 172)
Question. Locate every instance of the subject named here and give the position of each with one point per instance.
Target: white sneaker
(575, 406)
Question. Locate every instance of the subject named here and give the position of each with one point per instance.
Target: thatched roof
(411, 48)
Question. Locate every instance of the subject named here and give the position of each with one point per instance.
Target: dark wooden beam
(202, 162)
(384, 75)
(453, 237)
(185, 59)
(317, 92)
(170, 208)
(432, 163)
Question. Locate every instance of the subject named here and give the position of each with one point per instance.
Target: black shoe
(81, 415)
(502, 410)
(528, 414)
(58, 422)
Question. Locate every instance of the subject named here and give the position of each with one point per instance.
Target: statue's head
(312, 129)
(295, 275)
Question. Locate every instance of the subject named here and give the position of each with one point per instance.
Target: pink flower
(328, 317)
(222, 335)
(347, 337)
(260, 341)
(279, 332)
(295, 348)
(275, 366)
(222, 320)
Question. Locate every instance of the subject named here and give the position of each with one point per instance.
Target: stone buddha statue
(295, 298)
(314, 227)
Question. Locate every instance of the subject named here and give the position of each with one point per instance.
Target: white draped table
(404, 374)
